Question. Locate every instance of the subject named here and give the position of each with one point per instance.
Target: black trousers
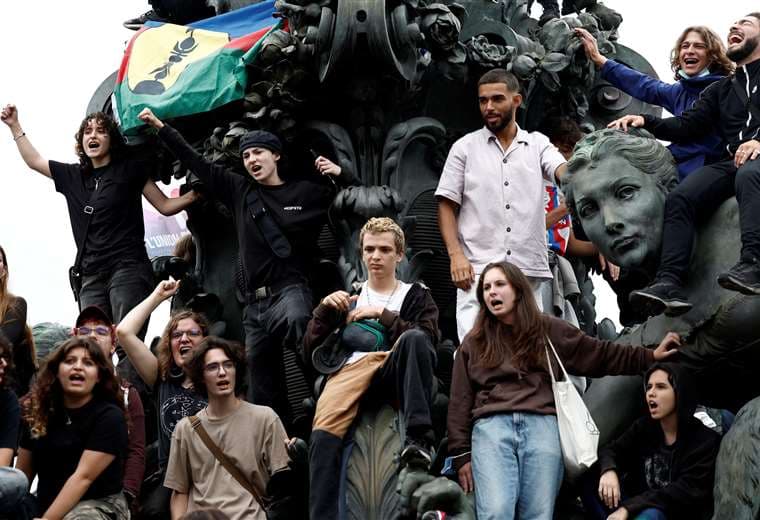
(696, 199)
(271, 324)
(406, 376)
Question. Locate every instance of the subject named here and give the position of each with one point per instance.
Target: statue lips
(624, 243)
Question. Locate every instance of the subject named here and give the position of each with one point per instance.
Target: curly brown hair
(117, 141)
(495, 340)
(197, 363)
(164, 349)
(45, 399)
(717, 61)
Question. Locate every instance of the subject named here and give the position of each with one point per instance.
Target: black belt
(269, 290)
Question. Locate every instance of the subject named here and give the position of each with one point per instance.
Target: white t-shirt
(392, 302)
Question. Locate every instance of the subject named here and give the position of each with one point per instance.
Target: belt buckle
(89, 210)
(262, 292)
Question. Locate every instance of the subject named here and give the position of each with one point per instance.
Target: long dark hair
(6, 352)
(117, 141)
(46, 396)
(522, 340)
(7, 300)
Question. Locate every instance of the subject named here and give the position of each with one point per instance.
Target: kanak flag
(178, 70)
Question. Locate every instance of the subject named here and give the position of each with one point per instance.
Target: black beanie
(261, 139)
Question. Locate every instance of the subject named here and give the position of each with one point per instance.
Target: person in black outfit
(731, 105)
(277, 224)
(13, 326)
(103, 195)
(13, 482)
(75, 435)
(663, 466)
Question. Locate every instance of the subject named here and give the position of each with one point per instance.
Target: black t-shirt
(174, 404)
(117, 232)
(299, 208)
(657, 467)
(96, 426)
(9, 419)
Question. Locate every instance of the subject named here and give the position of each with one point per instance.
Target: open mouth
(76, 378)
(185, 350)
(496, 303)
(690, 61)
(735, 38)
(256, 168)
(223, 385)
(93, 145)
(652, 406)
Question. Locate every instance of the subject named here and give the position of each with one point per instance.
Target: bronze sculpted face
(617, 185)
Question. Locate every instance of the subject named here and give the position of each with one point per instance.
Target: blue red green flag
(181, 70)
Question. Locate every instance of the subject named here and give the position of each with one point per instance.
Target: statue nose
(612, 221)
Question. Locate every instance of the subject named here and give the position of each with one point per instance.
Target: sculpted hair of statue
(638, 147)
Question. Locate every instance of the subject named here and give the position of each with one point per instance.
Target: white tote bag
(578, 434)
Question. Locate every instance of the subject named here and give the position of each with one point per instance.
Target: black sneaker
(417, 455)
(136, 24)
(661, 297)
(744, 277)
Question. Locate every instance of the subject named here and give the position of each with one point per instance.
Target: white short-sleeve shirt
(501, 198)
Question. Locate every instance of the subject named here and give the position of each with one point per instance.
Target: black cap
(261, 139)
(93, 313)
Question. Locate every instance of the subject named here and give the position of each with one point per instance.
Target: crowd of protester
(74, 435)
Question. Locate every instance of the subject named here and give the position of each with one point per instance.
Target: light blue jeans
(13, 488)
(516, 466)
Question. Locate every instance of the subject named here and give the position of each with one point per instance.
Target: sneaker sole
(654, 305)
(733, 284)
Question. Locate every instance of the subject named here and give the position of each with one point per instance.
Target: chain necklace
(390, 298)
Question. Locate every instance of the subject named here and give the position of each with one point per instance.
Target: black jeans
(117, 292)
(407, 376)
(696, 199)
(270, 324)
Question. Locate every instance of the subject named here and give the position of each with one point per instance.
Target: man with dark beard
(491, 195)
(732, 105)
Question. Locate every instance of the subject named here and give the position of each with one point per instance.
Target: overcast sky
(54, 54)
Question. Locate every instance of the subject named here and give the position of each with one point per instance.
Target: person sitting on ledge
(731, 105)
(401, 368)
(663, 466)
(277, 224)
(698, 60)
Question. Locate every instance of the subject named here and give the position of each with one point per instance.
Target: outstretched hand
(624, 122)
(149, 118)
(9, 115)
(590, 47)
(667, 347)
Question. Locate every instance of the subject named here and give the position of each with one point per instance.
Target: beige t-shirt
(252, 437)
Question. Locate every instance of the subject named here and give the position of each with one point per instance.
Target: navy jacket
(676, 98)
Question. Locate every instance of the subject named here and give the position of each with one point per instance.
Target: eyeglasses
(100, 330)
(213, 368)
(192, 333)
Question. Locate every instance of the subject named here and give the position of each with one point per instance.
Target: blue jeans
(596, 509)
(516, 466)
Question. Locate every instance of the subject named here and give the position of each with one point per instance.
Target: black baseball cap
(93, 313)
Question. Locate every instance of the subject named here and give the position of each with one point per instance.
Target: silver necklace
(390, 298)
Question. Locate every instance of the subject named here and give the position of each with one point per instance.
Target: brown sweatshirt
(478, 391)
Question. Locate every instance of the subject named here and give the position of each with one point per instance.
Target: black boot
(661, 296)
(744, 277)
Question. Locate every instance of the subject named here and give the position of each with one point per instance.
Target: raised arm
(28, 152)
(91, 465)
(630, 81)
(138, 352)
(167, 206)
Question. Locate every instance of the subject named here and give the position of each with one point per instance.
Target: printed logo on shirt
(292, 208)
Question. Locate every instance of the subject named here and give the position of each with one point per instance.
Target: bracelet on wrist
(19, 136)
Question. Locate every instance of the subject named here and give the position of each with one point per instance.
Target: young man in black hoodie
(732, 105)
(663, 467)
(277, 224)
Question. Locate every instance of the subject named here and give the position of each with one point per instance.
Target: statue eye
(626, 192)
(587, 209)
